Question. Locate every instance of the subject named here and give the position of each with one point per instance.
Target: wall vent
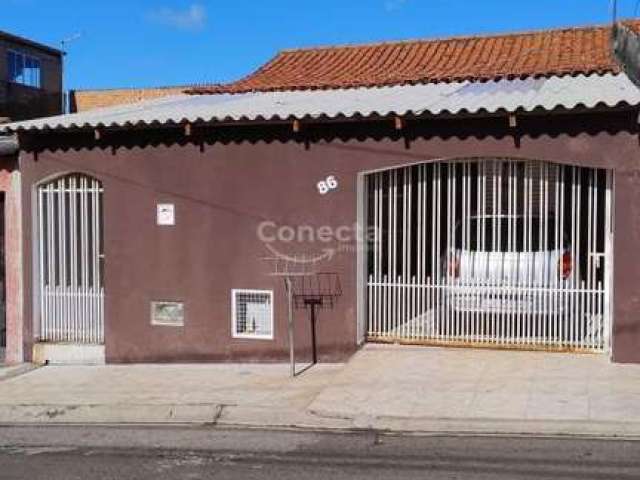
(169, 314)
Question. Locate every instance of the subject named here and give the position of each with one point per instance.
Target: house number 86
(325, 186)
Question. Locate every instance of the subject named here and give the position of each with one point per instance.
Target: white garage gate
(497, 252)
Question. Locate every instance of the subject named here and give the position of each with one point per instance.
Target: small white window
(252, 314)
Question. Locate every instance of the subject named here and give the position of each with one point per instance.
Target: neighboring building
(30, 78)
(84, 100)
(626, 48)
(495, 178)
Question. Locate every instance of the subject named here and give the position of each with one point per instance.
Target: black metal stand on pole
(312, 304)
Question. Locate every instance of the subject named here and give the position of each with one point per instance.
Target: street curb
(109, 414)
(234, 416)
(12, 371)
(490, 426)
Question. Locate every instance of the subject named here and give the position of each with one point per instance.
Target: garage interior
(506, 253)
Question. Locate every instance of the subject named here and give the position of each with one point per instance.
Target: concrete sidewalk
(438, 389)
(203, 394)
(394, 388)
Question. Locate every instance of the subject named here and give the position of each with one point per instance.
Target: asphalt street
(158, 453)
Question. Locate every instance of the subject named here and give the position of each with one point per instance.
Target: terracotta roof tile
(570, 51)
(84, 100)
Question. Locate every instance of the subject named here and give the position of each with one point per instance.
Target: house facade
(30, 79)
(476, 192)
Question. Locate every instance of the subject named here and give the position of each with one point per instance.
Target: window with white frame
(252, 314)
(23, 69)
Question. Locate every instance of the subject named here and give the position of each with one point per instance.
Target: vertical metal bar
(424, 290)
(70, 261)
(72, 258)
(448, 254)
(579, 317)
(418, 312)
(574, 256)
(99, 260)
(83, 256)
(376, 253)
(563, 284)
(454, 182)
(511, 249)
(61, 259)
(500, 255)
(389, 293)
(509, 290)
(478, 256)
(95, 310)
(435, 260)
(439, 279)
(592, 284)
(95, 258)
(601, 301)
(516, 255)
(608, 270)
(494, 249)
(41, 255)
(464, 249)
(396, 311)
(380, 250)
(547, 255)
(591, 256)
(537, 254)
(51, 317)
(409, 233)
(559, 239)
(370, 225)
(470, 250)
(403, 290)
(531, 321)
(370, 327)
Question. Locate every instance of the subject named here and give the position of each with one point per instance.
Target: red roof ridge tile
(453, 38)
(537, 53)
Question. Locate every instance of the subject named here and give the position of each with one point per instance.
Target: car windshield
(509, 234)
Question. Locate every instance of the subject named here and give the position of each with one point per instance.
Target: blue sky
(166, 42)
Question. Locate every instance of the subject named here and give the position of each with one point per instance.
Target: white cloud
(393, 5)
(192, 18)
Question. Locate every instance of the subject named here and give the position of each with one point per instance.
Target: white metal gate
(493, 251)
(71, 293)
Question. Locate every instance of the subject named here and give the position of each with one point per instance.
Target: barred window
(252, 314)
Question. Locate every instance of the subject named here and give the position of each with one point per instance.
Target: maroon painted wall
(224, 191)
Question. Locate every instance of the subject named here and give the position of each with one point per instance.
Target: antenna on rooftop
(70, 39)
(63, 44)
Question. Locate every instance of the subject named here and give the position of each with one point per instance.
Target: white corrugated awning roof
(529, 94)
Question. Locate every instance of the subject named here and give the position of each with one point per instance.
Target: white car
(508, 265)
